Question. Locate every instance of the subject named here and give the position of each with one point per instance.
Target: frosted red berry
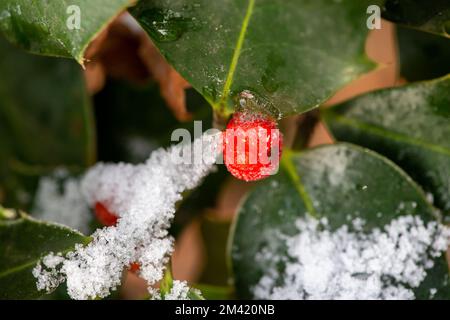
(248, 143)
(103, 215)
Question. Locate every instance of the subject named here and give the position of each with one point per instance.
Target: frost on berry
(143, 197)
(252, 146)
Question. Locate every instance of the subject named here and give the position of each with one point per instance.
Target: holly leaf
(340, 182)
(409, 124)
(23, 241)
(46, 121)
(51, 27)
(423, 56)
(430, 16)
(291, 54)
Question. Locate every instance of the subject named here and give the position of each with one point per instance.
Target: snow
(45, 272)
(179, 291)
(144, 197)
(351, 264)
(331, 164)
(59, 199)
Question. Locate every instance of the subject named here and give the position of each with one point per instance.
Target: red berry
(104, 216)
(248, 143)
(134, 267)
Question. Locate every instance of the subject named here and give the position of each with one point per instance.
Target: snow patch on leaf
(350, 264)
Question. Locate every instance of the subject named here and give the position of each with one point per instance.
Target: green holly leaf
(23, 241)
(423, 56)
(409, 124)
(430, 16)
(46, 121)
(51, 27)
(339, 182)
(291, 54)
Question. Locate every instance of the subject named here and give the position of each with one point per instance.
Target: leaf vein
(296, 180)
(236, 53)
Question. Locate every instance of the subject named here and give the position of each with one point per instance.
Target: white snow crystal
(351, 264)
(144, 198)
(179, 291)
(48, 276)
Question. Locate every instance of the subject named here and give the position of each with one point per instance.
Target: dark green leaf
(339, 182)
(423, 56)
(23, 242)
(292, 54)
(45, 120)
(42, 26)
(430, 15)
(410, 125)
